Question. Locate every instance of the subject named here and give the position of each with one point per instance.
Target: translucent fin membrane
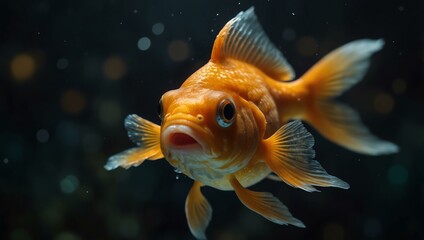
(291, 158)
(243, 38)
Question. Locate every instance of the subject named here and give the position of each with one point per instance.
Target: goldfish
(238, 120)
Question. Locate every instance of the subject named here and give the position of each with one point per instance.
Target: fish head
(207, 133)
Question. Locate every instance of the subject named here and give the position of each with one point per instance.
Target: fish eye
(160, 109)
(226, 113)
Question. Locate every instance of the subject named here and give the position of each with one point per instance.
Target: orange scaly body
(245, 85)
(228, 125)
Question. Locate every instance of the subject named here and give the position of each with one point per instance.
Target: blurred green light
(69, 184)
(158, 28)
(397, 174)
(144, 43)
(67, 236)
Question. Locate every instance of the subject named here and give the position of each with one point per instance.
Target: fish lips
(182, 138)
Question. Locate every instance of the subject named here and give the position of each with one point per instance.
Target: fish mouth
(182, 138)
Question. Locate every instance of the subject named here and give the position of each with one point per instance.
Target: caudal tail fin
(330, 77)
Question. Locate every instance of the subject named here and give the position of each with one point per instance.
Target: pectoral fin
(198, 211)
(146, 135)
(289, 154)
(265, 204)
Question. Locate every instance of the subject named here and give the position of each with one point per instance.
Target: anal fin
(265, 204)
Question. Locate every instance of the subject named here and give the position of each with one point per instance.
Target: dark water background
(70, 71)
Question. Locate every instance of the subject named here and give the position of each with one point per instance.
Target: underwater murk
(211, 120)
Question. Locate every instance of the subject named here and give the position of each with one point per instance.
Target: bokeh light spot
(72, 101)
(114, 68)
(307, 46)
(110, 113)
(42, 135)
(399, 86)
(69, 184)
(143, 43)
(383, 103)
(333, 231)
(158, 28)
(62, 63)
(178, 50)
(5, 160)
(397, 174)
(22, 67)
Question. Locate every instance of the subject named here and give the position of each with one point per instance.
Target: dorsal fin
(243, 38)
